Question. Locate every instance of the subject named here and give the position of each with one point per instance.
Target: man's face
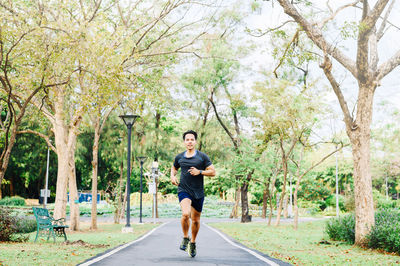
(190, 141)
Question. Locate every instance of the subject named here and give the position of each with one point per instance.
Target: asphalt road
(161, 247)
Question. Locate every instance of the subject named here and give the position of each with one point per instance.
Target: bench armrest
(60, 221)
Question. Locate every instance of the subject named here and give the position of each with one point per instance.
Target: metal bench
(47, 225)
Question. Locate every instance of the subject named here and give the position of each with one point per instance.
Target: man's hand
(174, 180)
(194, 171)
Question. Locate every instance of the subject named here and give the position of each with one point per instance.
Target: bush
(349, 202)
(9, 227)
(386, 232)
(385, 204)
(13, 201)
(331, 201)
(342, 228)
(26, 225)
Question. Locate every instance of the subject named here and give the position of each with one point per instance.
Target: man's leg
(185, 222)
(195, 216)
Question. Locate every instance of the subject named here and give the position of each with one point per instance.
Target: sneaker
(192, 249)
(185, 243)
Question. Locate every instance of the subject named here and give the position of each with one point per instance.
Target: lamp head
(129, 120)
(141, 159)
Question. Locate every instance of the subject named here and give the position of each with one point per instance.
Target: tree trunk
(202, 131)
(95, 162)
(118, 208)
(245, 203)
(296, 207)
(73, 192)
(360, 140)
(62, 171)
(282, 196)
(7, 154)
(234, 212)
(286, 205)
(271, 195)
(124, 202)
(265, 203)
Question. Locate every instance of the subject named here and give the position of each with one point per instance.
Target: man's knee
(185, 215)
(196, 223)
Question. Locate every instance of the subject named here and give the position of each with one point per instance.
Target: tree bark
(234, 212)
(95, 162)
(286, 205)
(360, 140)
(65, 137)
(118, 208)
(73, 192)
(245, 203)
(6, 157)
(265, 202)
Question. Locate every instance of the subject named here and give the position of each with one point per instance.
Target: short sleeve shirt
(192, 184)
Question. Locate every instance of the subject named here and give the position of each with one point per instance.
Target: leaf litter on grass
(82, 243)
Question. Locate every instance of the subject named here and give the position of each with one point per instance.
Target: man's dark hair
(190, 132)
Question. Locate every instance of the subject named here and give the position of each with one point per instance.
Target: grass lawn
(302, 247)
(48, 253)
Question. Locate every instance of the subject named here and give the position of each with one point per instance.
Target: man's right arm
(174, 180)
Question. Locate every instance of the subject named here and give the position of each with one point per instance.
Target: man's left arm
(210, 171)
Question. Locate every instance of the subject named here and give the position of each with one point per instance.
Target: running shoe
(185, 243)
(192, 249)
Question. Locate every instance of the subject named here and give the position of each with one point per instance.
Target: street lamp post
(129, 120)
(141, 159)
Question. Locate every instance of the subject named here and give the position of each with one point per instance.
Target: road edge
(261, 256)
(114, 250)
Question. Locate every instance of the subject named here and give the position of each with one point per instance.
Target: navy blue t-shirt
(192, 184)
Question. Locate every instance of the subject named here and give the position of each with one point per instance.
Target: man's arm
(174, 180)
(210, 171)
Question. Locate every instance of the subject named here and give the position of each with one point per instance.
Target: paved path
(161, 247)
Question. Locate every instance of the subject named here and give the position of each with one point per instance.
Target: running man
(194, 166)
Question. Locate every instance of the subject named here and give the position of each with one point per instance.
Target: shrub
(342, 228)
(331, 201)
(386, 232)
(349, 202)
(9, 227)
(13, 201)
(385, 204)
(26, 225)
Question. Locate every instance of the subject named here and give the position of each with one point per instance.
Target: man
(194, 166)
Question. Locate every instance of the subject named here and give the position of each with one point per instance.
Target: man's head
(190, 139)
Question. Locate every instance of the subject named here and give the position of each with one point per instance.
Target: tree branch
(388, 66)
(381, 30)
(322, 23)
(315, 34)
(43, 136)
(327, 68)
(222, 123)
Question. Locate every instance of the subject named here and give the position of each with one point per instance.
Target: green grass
(48, 253)
(302, 247)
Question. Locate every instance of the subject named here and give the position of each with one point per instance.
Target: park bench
(47, 225)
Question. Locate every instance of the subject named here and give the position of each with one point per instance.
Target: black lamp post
(141, 159)
(129, 120)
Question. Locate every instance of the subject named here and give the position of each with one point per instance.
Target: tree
(368, 74)
(25, 61)
(288, 114)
